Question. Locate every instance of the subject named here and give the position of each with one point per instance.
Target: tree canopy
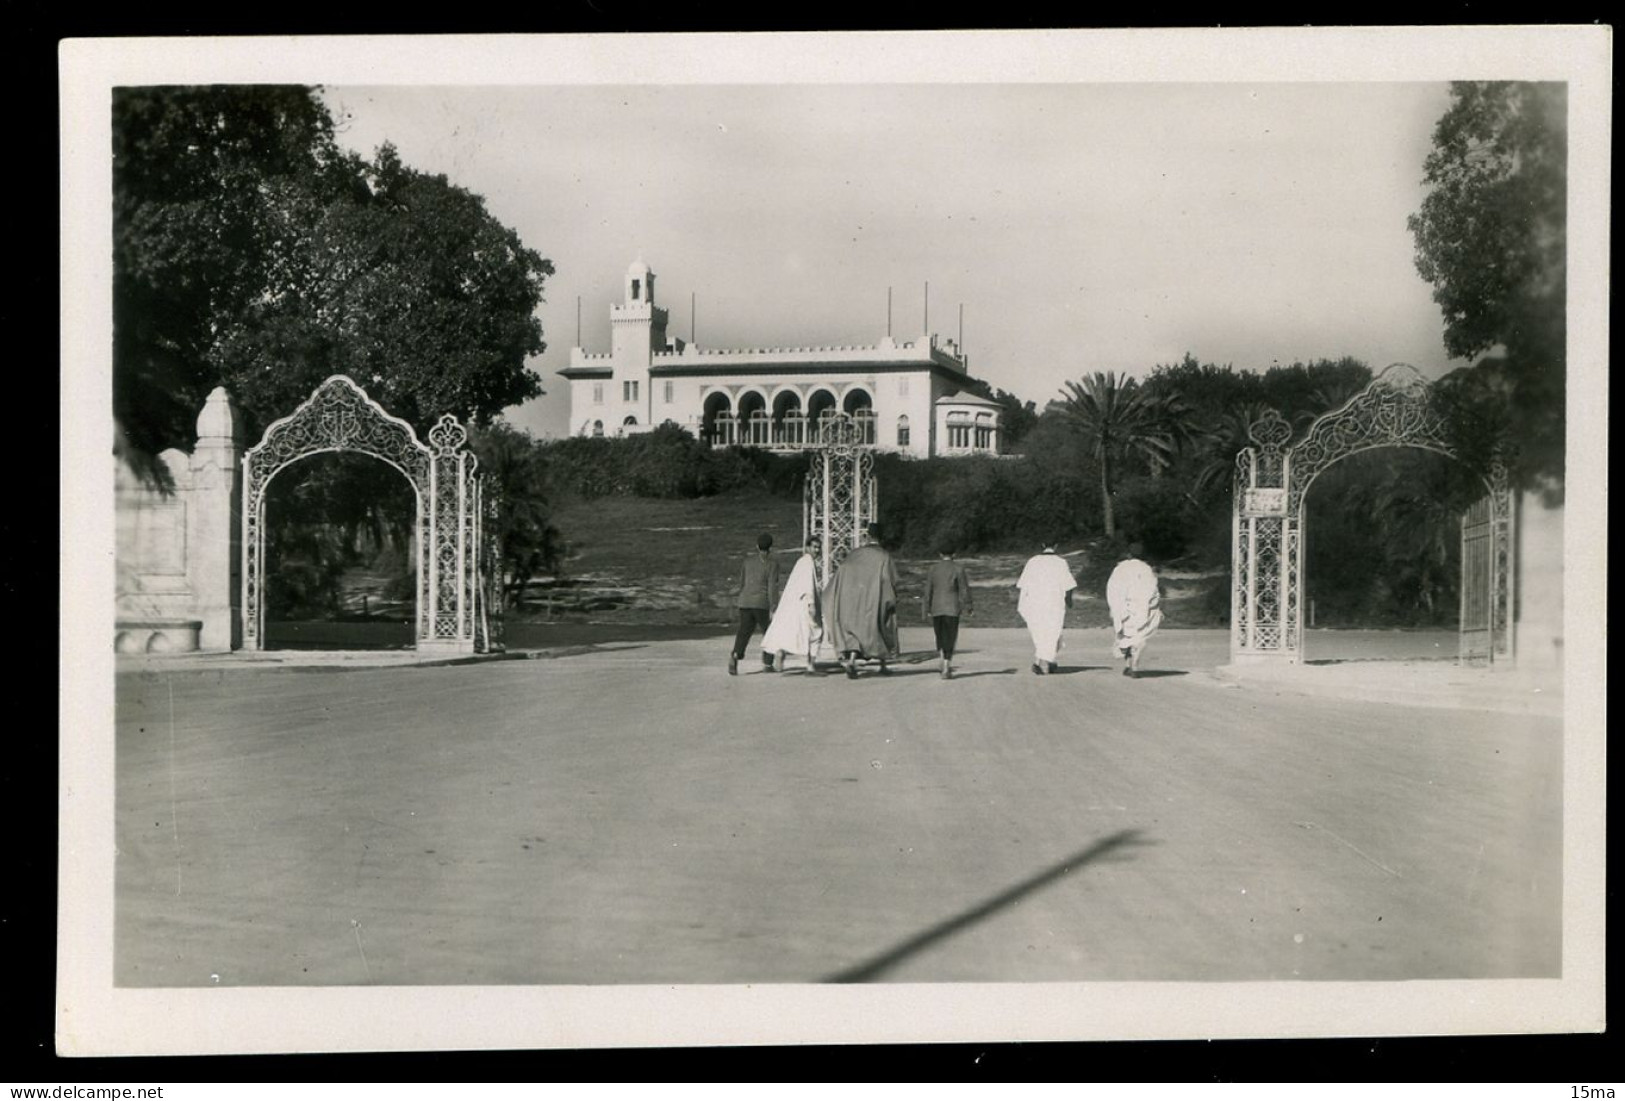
(1491, 236)
(517, 476)
(1120, 421)
(251, 251)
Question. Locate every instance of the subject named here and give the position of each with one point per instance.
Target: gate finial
(447, 435)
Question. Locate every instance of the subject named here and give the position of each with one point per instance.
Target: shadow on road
(1148, 674)
(872, 671)
(875, 967)
(1068, 670)
(983, 673)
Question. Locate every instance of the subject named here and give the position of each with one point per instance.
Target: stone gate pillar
(214, 523)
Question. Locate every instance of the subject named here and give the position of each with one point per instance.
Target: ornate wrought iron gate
(839, 499)
(339, 416)
(1271, 484)
(1487, 580)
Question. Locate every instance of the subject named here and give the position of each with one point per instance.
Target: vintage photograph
(611, 528)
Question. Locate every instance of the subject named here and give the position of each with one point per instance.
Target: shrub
(667, 463)
(979, 504)
(1155, 513)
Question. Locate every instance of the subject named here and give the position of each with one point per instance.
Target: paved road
(633, 814)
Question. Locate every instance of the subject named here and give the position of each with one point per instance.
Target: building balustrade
(789, 433)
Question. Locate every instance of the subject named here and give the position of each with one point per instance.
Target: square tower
(637, 327)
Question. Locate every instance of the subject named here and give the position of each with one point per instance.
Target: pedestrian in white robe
(795, 627)
(1046, 585)
(1133, 595)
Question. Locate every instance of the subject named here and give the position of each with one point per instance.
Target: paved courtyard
(628, 813)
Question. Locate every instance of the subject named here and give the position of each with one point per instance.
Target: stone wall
(178, 546)
(1538, 596)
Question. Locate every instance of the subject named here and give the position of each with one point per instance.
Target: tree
(192, 169)
(1016, 417)
(515, 469)
(1118, 421)
(1491, 236)
(1209, 388)
(1303, 391)
(409, 286)
(1221, 441)
(250, 251)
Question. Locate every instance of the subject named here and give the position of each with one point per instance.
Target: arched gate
(452, 605)
(1267, 528)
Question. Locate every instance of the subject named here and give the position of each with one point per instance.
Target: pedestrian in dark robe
(860, 607)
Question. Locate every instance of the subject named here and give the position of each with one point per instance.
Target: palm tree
(1172, 417)
(1220, 443)
(1118, 420)
(1328, 396)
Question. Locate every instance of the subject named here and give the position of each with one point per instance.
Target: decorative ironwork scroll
(1272, 481)
(339, 416)
(1394, 410)
(839, 499)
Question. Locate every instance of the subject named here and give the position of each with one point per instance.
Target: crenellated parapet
(884, 351)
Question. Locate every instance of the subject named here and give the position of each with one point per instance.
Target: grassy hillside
(675, 563)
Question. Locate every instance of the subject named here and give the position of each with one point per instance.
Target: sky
(1082, 227)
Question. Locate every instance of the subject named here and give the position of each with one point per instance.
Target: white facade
(768, 397)
(966, 424)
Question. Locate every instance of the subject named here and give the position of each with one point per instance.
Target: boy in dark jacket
(758, 591)
(946, 598)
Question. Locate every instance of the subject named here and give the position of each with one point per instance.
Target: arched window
(753, 419)
(597, 428)
(959, 427)
(630, 421)
(820, 403)
(715, 420)
(902, 431)
(984, 431)
(789, 426)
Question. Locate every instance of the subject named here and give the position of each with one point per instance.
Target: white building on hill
(909, 397)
